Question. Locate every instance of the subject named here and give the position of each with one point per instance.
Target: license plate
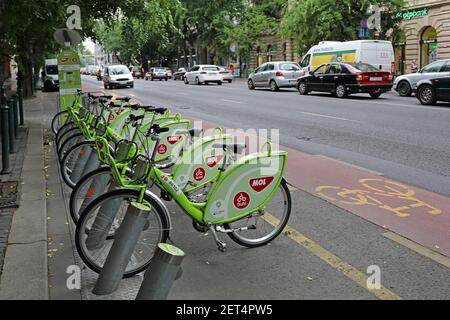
(376, 78)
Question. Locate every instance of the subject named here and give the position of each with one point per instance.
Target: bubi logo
(259, 184)
(64, 60)
(162, 149)
(199, 174)
(174, 139)
(213, 161)
(241, 200)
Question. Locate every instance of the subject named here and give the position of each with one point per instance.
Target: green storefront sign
(408, 15)
(69, 77)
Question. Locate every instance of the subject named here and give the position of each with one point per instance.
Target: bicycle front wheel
(265, 226)
(88, 188)
(59, 120)
(98, 223)
(74, 160)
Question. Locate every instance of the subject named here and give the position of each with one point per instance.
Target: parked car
(179, 74)
(137, 72)
(406, 84)
(226, 74)
(117, 76)
(50, 75)
(343, 79)
(378, 53)
(156, 73)
(429, 91)
(203, 74)
(275, 75)
(169, 73)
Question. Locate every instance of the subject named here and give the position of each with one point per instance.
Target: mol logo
(241, 200)
(259, 184)
(199, 174)
(174, 139)
(162, 149)
(213, 161)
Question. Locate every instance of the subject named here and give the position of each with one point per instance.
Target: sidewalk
(24, 273)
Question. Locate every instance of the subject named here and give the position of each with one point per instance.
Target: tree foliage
(311, 21)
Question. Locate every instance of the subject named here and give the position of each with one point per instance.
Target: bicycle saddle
(148, 108)
(234, 147)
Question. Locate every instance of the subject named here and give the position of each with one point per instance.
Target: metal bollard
(92, 163)
(5, 139)
(16, 115)
(95, 190)
(162, 271)
(20, 95)
(125, 240)
(103, 221)
(12, 137)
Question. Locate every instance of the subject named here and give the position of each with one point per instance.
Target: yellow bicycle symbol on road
(376, 192)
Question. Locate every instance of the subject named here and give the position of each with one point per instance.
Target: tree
(311, 21)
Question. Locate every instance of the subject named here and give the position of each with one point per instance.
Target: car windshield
(210, 69)
(362, 67)
(289, 67)
(51, 69)
(119, 70)
(160, 70)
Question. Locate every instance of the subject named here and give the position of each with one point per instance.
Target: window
(210, 69)
(195, 68)
(270, 67)
(434, 67)
(119, 70)
(289, 67)
(334, 69)
(321, 69)
(263, 68)
(446, 68)
(305, 61)
(51, 69)
(362, 67)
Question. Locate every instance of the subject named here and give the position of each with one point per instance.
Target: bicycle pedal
(221, 246)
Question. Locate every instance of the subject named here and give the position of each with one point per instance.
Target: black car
(429, 91)
(343, 79)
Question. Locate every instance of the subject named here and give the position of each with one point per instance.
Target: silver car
(275, 75)
(406, 84)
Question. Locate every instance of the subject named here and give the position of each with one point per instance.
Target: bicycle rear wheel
(267, 225)
(98, 223)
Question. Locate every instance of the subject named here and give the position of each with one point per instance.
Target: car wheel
(229, 81)
(426, 95)
(251, 85)
(146, 79)
(105, 85)
(375, 95)
(167, 79)
(132, 86)
(197, 81)
(340, 91)
(186, 80)
(404, 89)
(302, 88)
(151, 79)
(273, 86)
(219, 83)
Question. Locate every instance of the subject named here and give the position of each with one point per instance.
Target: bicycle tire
(64, 129)
(64, 136)
(86, 214)
(78, 191)
(253, 243)
(71, 152)
(55, 125)
(68, 143)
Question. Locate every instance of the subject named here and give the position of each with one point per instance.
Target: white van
(378, 53)
(50, 75)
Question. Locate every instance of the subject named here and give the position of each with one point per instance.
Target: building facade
(426, 38)
(102, 57)
(273, 48)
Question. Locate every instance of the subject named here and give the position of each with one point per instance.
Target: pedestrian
(232, 69)
(414, 66)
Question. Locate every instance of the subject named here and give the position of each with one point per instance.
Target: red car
(137, 72)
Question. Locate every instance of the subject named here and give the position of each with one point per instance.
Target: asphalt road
(326, 252)
(395, 136)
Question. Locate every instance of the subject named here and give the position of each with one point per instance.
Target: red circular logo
(241, 200)
(74, 59)
(199, 174)
(162, 148)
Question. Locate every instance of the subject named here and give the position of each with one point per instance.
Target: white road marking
(331, 117)
(232, 101)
